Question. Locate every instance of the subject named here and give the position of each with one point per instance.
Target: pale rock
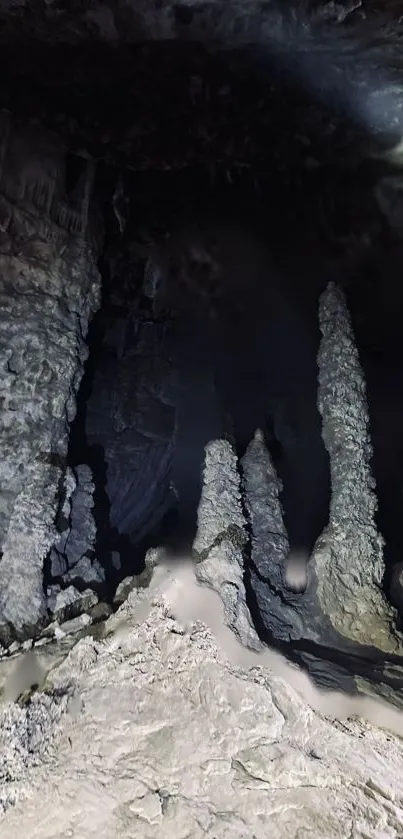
(163, 736)
(72, 626)
(70, 602)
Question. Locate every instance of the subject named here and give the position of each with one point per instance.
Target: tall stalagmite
(348, 559)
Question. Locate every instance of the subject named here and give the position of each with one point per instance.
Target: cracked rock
(70, 603)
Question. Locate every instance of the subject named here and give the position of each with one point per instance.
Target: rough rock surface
(70, 602)
(50, 284)
(154, 730)
(87, 572)
(342, 623)
(133, 20)
(396, 587)
(348, 559)
(57, 558)
(70, 556)
(318, 43)
(269, 542)
(221, 538)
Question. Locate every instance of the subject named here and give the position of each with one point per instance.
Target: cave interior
(187, 138)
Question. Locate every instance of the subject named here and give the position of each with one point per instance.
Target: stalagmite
(222, 536)
(348, 560)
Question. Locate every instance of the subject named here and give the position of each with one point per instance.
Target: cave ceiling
(161, 85)
(196, 98)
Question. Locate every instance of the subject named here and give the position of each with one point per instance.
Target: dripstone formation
(50, 287)
(121, 373)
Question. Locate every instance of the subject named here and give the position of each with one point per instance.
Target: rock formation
(342, 622)
(348, 560)
(49, 289)
(221, 538)
(71, 555)
(286, 121)
(351, 543)
(223, 748)
(130, 421)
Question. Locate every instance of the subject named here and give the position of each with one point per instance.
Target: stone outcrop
(69, 603)
(346, 568)
(341, 626)
(73, 555)
(396, 587)
(222, 749)
(348, 559)
(49, 287)
(221, 538)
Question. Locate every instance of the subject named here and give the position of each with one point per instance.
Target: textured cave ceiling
(201, 108)
(159, 85)
(205, 87)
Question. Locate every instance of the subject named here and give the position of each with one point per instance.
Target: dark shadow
(75, 168)
(375, 301)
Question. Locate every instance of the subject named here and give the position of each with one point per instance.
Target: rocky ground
(158, 730)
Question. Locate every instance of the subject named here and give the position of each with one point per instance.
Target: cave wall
(129, 426)
(49, 286)
(48, 246)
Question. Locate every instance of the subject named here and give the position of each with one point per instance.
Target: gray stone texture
(342, 622)
(343, 608)
(348, 559)
(49, 288)
(69, 603)
(158, 732)
(222, 537)
(269, 543)
(72, 556)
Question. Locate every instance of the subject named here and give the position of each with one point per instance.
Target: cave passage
(232, 345)
(160, 384)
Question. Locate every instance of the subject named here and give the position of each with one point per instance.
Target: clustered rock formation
(329, 618)
(240, 520)
(175, 377)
